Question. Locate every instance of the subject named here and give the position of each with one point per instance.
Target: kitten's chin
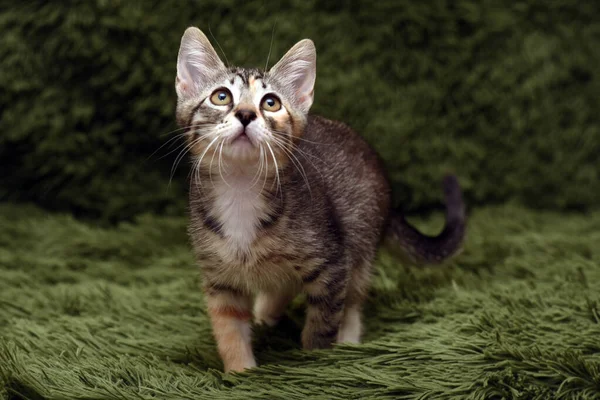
(241, 151)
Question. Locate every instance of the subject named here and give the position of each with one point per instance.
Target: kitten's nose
(245, 116)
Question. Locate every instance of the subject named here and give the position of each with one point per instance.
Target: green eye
(221, 97)
(271, 103)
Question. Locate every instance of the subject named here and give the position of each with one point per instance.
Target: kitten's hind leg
(270, 306)
(326, 297)
(351, 326)
(230, 315)
(358, 288)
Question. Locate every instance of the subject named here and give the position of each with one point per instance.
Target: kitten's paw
(265, 320)
(240, 366)
(351, 327)
(268, 308)
(347, 336)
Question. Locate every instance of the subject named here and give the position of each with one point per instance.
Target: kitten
(283, 202)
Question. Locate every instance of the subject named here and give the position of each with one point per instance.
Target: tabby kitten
(283, 202)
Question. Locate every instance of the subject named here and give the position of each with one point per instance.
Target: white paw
(348, 337)
(350, 328)
(240, 365)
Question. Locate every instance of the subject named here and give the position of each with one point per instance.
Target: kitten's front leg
(230, 315)
(325, 297)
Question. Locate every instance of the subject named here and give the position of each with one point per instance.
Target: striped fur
(312, 224)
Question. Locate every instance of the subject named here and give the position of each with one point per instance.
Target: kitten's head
(242, 115)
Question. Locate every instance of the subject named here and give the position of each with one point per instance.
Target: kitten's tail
(423, 249)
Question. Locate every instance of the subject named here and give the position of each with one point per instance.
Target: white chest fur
(238, 208)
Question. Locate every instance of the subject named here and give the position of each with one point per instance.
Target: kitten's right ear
(197, 63)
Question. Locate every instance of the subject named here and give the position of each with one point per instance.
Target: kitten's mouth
(242, 138)
(241, 147)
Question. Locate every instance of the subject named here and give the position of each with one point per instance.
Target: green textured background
(503, 93)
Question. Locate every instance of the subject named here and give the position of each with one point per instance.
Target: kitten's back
(356, 181)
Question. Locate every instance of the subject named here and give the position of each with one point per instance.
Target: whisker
(258, 172)
(266, 173)
(196, 171)
(178, 136)
(220, 157)
(193, 168)
(298, 150)
(164, 144)
(180, 157)
(201, 157)
(177, 130)
(219, 45)
(303, 154)
(295, 148)
(210, 167)
(208, 147)
(276, 168)
(285, 134)
(177, 148)
(270, 46)
(298, 166)
(186, 148)
(174, 150)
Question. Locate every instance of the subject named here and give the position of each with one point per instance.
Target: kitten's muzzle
(241, 136)
(245, 116)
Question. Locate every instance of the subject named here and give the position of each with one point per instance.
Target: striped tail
(423, 249)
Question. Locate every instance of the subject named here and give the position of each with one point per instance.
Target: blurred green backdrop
(503, 93)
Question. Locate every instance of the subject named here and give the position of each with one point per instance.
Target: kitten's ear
(297, 71)
(197, 63)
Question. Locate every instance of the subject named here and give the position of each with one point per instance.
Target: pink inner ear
(179, 83)
(185, 84)
(305, 85)
(305, 98)
(182, 87)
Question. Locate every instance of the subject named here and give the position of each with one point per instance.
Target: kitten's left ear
(297, 71)
(197, 63)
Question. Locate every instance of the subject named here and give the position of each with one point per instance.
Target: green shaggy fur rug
(88, 312)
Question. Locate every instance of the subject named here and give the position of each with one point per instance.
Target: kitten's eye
(221, 97)
(271, 103)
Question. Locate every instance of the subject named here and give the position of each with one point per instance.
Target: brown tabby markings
(301, 204)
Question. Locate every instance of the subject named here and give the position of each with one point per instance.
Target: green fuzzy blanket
(93, 313)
